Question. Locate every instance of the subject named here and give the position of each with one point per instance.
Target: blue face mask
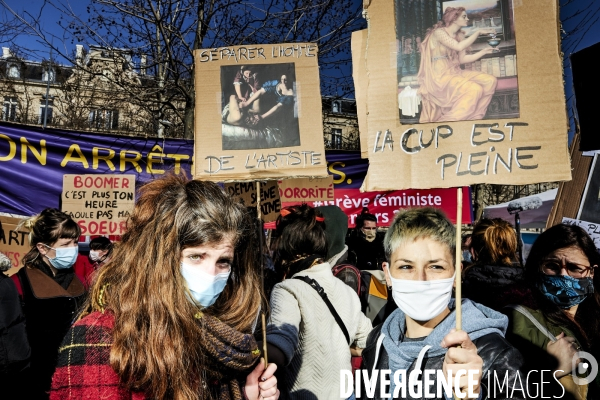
(205, 288)
(466, 256)
(564, 290)
(65, 257)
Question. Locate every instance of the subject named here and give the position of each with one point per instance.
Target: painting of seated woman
(260, 106)
(456, 60)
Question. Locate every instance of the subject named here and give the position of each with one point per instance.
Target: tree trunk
(188, 119)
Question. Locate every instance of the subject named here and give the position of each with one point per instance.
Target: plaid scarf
(84, 370)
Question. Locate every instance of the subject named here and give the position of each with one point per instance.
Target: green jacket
(531, 342)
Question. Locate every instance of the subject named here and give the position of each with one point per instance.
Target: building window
(13, 71)
(48, 75)
(104, 119)
(336, 106)
(336, 138)
(9, 111)
(107, 74)
(46, 112)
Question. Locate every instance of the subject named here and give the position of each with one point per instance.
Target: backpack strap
(534, 321)
(315, 285)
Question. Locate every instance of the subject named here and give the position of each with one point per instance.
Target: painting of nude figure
(260, 106)
(456, 60)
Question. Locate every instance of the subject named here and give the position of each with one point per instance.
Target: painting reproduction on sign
(456, 60)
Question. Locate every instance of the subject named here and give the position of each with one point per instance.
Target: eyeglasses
(574, 270)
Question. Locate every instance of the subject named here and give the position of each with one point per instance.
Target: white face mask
(205, 288)
(422, 300)
(94, 255)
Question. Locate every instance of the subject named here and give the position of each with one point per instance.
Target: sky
(580, 29)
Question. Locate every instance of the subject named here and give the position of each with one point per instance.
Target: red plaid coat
(83, 370)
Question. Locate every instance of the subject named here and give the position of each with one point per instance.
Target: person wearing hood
(365, 244)
(420, 334)
(493, 247)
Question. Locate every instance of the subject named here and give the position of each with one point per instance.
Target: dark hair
(494, 242)
(47, 227)
(300, 233)
(101, 243)
(364, 216)
(586, 324)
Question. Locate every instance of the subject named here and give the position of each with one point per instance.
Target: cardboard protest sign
(448, 104)
(270, 203)
(589, 209)
(592, 229)
(348, 169)
(258, 113)
(14, 243)
(359, 74)
(100, 204)
(306, 189)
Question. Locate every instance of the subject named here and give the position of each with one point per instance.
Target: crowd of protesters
(172, 310)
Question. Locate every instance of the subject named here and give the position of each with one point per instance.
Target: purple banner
(33, 162)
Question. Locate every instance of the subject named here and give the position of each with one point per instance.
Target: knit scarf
(230, 355)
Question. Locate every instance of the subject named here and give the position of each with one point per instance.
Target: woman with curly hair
(171, 315)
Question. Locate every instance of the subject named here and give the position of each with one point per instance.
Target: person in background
(303, 333)
(100, 251)
(563, 316)
(493, 249)
(52, 293)
(14, 347)
(171, 315)
(98, 255)
(420, 335)
(467, 257)
(365, 244)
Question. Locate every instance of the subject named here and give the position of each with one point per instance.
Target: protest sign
(359, 74)
(258, 115)
(589, 208)
(348, 170)
(306, 189)
(100, 204)
(270, 203)
(592, 229)
(34, 160)
(448, 104)
(14, 243)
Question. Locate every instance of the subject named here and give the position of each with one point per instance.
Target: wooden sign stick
(262, 273)
(458, 266)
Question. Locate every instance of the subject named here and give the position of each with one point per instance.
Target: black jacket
(490, 284)
(49, 312)
(14, 347)
(363, 254)
(497, 354)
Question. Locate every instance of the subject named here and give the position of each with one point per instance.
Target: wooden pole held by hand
(457, 265)
(263, 319)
